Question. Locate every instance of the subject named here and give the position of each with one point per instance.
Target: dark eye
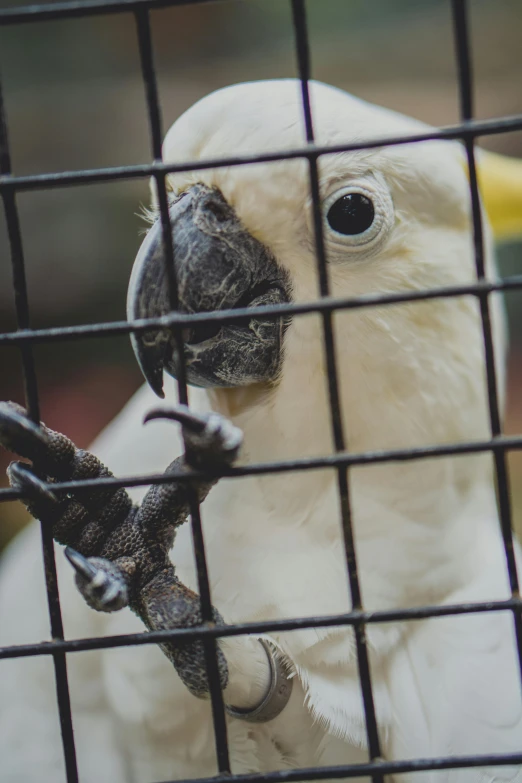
(351, 214)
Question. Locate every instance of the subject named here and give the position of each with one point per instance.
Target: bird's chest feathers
(275, 550)
(268, 558)
(267, 563)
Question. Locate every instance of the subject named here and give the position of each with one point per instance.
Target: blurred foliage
(75, 100)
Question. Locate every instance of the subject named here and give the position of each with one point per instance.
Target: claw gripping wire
(30, 485)
(120, 552)
(19, 434)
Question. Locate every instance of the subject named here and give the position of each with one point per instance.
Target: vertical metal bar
(210, 645)
(31, 396)
(303, 60)
(465, 76)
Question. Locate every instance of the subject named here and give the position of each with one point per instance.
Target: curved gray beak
(218, 265)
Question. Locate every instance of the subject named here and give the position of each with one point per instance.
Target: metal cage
(498, 444)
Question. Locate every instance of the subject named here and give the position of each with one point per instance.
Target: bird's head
(395, 219)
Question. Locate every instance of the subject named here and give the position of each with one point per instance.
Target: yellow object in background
(500, 180)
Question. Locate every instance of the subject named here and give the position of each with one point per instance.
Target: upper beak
(218, 265)
(146, 299)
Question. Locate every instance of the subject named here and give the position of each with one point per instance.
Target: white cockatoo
(396, 219)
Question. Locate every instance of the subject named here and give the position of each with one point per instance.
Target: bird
(411, 374)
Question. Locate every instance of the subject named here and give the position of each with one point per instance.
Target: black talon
(102, 583)
(31, 486)
(80, 563)
(182, 414)
(18, 433)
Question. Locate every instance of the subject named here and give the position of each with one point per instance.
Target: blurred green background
(75, 100)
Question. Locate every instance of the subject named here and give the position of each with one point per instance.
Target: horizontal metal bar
(328, 304)
(356, 617)
(471, 129)
(78, 8)
(344, 771)
(344, 459)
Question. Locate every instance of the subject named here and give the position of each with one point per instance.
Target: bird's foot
(119, 551)
(84, 516)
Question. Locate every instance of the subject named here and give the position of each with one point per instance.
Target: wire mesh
(31, 395)
(342, 460)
